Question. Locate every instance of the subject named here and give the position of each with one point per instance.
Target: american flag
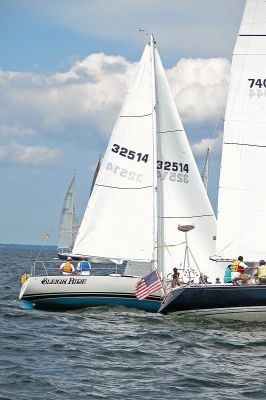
(148, 284)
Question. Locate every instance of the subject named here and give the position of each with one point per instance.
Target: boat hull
(74, 292)
(243, 303)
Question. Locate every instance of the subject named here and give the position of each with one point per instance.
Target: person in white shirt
(67, 268)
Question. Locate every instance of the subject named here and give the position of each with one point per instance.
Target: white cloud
(81, 105)
(214, 144)
(200, 87)
(16, 154)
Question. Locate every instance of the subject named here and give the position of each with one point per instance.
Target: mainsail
(148, 183)
(118, 221)
(69, 223)
(242, 192)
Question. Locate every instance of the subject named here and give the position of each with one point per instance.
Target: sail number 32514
(130, 154)
(172, 166)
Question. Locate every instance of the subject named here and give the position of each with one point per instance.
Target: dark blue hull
(221, 301)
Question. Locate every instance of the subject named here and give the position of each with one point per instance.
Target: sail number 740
(257, 82)
(130, 154)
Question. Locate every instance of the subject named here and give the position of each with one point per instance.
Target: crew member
(84, 266)
(67, 268)
(262, 272)
(237, 268)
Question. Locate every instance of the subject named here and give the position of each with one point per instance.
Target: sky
(65, 66)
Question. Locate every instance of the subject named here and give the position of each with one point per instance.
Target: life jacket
(227, 274)
(234, 266)
(261, 271)
(85, 266)
(67, 267)
(24, 277)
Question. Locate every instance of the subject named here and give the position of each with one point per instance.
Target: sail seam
(175, 130)
(245, 144)
(251, 35)
(192, 216)
(135, 116)
(127, 188)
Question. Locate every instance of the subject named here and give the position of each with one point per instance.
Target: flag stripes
(148, 284)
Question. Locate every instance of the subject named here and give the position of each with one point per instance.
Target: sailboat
(69, 223)
(148, 184)
(241, 202)
(205, 171)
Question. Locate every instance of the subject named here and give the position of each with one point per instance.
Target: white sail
(242, 190)
(182, 197)
(134, 211)
(118, 222)
(69, 223)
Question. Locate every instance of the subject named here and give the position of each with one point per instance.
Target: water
(117, 353)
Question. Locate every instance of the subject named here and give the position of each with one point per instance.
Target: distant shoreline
(10, 245)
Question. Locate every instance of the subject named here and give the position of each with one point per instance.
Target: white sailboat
(205, 171)
(147, 185)
(241, 203)
(69, 223)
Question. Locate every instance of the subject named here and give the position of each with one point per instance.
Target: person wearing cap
(84, 267)
(262, 272)
(67, 268)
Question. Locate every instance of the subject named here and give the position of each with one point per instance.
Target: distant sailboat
(69, 223)
(205, 171)
(148, 183)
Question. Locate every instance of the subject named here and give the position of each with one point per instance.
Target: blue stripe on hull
(82, 302)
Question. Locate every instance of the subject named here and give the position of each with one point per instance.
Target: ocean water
(117, 353)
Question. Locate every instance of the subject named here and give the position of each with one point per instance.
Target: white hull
(76, 291)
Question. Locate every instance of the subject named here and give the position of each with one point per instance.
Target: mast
(155, 194)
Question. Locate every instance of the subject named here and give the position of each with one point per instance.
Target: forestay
(242, 190)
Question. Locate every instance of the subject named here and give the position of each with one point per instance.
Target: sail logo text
(63, 281)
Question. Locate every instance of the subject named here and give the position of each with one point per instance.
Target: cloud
(80, 106)
(199, 87)
(214, 144)
(19, 155)
(178, 25)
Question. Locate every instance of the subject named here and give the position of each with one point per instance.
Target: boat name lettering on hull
(67, 281)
